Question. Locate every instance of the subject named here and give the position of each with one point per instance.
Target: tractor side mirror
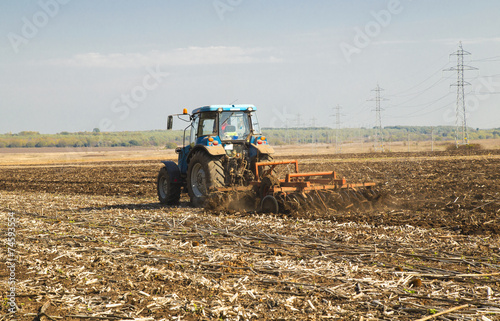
(170, 122)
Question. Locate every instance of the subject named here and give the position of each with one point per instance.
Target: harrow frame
(299, 188)
(303, 182)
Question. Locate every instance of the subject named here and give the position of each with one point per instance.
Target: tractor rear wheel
(169, 193)
(205, 173)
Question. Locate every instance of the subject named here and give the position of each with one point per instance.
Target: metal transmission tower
(298, 123)
(313, 134)
(378, 143)
(338, 141)
(313, 129)
(313, 122)
(461, 132)
(287, 139)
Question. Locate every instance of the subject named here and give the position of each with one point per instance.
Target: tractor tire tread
(173, 193)
(214, 171)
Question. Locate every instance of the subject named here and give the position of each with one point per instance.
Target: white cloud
(479, 40)
(214, 55)
(395, 42)
(443, 41)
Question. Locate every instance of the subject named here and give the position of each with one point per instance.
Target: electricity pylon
(461, 132)
(378, 143)
(338, 140)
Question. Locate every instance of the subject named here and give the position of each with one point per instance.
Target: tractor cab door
(207, 125)
(194, 129)
(184, 151)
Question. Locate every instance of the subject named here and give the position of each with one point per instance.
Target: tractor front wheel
(205, 173)
(169, 192)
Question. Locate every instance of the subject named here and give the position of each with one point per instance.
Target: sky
(123, 65)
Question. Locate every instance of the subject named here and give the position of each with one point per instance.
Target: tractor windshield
(234, 125)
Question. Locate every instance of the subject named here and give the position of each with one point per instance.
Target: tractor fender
(263, 149)
(211, 150)
(173, 172)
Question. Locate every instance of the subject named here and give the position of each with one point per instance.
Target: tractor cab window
(234, 125)
(194, 128)
(207, 124)
(255, 123)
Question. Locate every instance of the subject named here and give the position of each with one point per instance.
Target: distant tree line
(282, 136)
(276, 136)
(161, 138)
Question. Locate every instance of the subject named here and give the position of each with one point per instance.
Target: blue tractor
(224, 144)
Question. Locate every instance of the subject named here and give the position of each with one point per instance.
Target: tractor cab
(222, 129)
(231, 127)
(229, 123)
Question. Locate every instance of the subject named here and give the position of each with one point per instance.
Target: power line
(487, 93)
(419, 112)
(461, 115)
(364, 107)
(429, 103)
(419, 93)
(403, 93)
(489, 76)
(417, 73)
(495, 58)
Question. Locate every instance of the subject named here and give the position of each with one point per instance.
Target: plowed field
(92, 242)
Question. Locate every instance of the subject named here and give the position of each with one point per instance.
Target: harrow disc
(269, 204)
(317, 201)
(321, 201)
(309, 192)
